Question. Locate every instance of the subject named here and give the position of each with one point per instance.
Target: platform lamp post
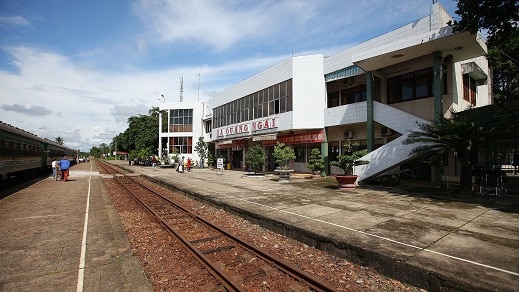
(163, 98)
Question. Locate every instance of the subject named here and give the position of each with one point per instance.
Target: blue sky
(78, 69)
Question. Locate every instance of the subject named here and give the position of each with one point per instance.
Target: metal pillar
(370, 116)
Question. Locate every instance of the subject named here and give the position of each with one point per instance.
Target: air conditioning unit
(348, 134)
(386, 131)
(348, 81)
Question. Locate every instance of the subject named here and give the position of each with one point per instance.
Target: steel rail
(212, 269)
(312, 281)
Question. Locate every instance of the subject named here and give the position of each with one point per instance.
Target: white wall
(198, 115)
(309, 92)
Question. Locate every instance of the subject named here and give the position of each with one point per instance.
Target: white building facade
(180, 126)
(284, 103)
(373, 93)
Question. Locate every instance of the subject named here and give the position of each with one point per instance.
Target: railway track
(232, 263)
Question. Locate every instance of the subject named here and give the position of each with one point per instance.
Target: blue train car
(23, 153)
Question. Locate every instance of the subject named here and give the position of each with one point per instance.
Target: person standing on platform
(188, 164)
(54, 172)
(154, 163)
(64, 165)
(180, 167)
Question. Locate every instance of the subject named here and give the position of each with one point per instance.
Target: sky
(79, 69)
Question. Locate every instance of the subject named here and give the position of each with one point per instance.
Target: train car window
(16, 149)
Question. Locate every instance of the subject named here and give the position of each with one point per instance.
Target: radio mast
(181, 87)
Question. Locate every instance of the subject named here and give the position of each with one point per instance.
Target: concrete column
(438, 107)
(324, 153)
(160, 134)
(438, 84)
(370, 118)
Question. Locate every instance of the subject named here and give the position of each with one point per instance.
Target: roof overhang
(473, 70)
(461, 46)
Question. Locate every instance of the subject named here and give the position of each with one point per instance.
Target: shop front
(302, 143)
(232, 151)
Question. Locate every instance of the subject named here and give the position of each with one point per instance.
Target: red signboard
(233, 144)
(311, 137)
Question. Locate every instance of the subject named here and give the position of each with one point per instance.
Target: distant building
(180, 128)
(372, 93)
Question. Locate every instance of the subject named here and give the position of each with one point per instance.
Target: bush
(283, 154)
(255, 157)
(315, 161)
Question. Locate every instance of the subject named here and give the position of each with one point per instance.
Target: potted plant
(349, 158)
(283, 154)
(255, 158)
(316, 163)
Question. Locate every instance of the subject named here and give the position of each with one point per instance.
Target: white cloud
(221, 24)
(75, 96)
(50, 95)
(14, 20)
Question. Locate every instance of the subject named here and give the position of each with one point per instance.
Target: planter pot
(316, 175)
(346, 182)
(283, 174)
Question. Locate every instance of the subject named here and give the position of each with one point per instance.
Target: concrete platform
(420, 236)
(66, 236)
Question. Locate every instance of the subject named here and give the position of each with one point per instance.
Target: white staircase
(393, 154)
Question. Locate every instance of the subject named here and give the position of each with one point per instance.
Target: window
(164, 122)
(333, 99)
(208, 126)
(410, 86)
(181, 120)
(469, 89)
(182, 145)
(272, 100)
(300, 151)
(354, 94)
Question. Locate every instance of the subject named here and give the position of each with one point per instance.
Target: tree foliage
(283, 154)
(500, 19)
(142, 133)
(467, 133)
(349, 157)
(255, 157)
(59, 140)
(315, 161)
(202, 149)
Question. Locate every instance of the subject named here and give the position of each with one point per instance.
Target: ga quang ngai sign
(250, 127)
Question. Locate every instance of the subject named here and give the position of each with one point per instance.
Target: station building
(180, 126)
(372, 93)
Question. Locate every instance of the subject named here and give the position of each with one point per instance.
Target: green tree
(104, 149)
(487, 128)
(255, 157)
(60, 141)
(283, 154)
(95, 152)
(201, 149)
(500, 19)
(142, 133)
(315, 161)
(457, 135)
(349, 157)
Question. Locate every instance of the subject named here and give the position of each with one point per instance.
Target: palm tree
(464, 134)
(467, 133)
(59, 140)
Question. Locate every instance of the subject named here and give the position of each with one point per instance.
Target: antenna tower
(181, 88)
